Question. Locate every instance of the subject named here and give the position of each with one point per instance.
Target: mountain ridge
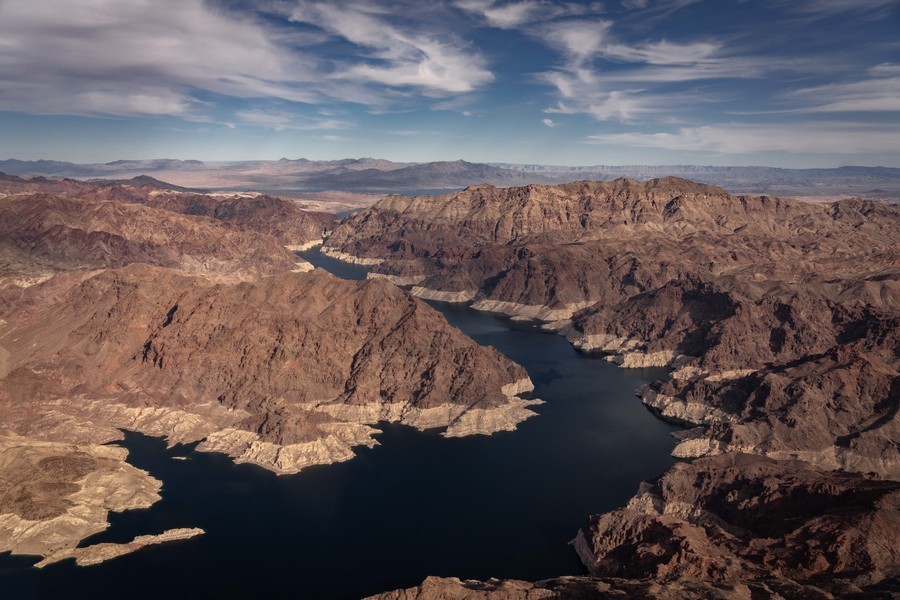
(372, 174)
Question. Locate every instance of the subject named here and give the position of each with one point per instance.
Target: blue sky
(792, 83)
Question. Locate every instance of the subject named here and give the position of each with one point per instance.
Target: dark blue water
(504, 505)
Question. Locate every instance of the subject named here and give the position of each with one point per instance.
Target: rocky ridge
(737, 517)
(283, 371)
(252, 212)
(733, 292)
(41, 235)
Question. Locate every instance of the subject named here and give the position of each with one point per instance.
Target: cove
(418, 504)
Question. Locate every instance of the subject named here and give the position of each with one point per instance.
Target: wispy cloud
(512, 15)
(879, 91)
(586, 84)
(421, 58)
(815, 138)
(828, 8)
(578, 40)
(125, 58)
(548, 122)
(282, 119)
(503, 16)
(180, 57)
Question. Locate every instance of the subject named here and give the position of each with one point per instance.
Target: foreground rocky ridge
(740, 517)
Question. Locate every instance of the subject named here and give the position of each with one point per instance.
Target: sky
(789, 83)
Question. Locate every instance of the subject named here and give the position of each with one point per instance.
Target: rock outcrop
(280, 218)
(741, 517)
(183, 315)
(779, 320)
(283, 372)
(98, 553)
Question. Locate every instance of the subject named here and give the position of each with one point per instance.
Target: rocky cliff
(284, 362)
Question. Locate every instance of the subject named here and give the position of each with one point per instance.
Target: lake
(418, 504)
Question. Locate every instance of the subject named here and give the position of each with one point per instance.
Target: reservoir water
(418, 504)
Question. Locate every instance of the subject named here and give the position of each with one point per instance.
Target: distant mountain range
(378, 175)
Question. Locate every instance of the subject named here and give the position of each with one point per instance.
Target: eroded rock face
(780, 322)
(738, 516)
(293, 227)
(808, 375)
(283, 372)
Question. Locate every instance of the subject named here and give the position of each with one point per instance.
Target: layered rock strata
(41, 235)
